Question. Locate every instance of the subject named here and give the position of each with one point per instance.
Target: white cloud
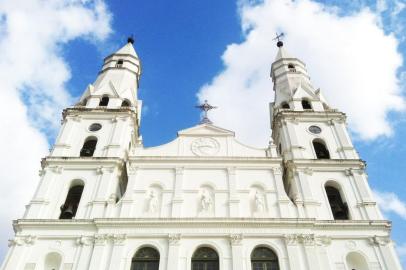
(349, 57)
(389, 202)
(34, 72)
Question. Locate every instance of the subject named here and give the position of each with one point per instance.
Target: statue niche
(258, 202)
(152, 201)
(206, 202)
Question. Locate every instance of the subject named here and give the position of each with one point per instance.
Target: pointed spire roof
(128, 49)
(282, 53)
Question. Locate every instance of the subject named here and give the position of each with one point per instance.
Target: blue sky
(192, 49)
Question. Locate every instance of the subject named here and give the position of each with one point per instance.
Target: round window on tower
(315, 129)
(95, 127)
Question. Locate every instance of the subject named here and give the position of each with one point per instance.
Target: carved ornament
(235, 239)
(174, 239)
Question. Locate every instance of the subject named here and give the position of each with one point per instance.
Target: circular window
(95, 127)
(315, 129)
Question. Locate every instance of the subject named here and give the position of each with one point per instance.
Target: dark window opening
(321, 150)
(69, 208)
(205, 258)
(285, 105)
(95, 127)
(119, 63)
(125, 103)
(291, 68)
(306, 104)
(88, 147)
(145, 259)
(263, 258)
(338, 207)
(104, 101)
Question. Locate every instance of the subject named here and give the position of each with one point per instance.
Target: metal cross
(130, 39)
(279, 39)
(205, 107)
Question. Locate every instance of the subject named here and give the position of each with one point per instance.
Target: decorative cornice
(379, 240)
(22, 240)
(85, 240)
(307, 239)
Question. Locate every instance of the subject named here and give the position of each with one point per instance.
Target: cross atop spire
(130, 39)
(205, 107)
(279, 39)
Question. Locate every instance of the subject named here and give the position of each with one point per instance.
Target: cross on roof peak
(279, 39)
(205, 107)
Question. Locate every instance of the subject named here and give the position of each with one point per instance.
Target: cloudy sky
(196, 50)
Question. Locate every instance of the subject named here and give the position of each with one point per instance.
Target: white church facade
(203, 201)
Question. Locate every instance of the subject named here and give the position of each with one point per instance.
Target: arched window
(338, 207)
(321, 149)
(88, 147)
(291, 67)
(205, 258)
(119, 63)
(285, 105)
(306, 104)
(53, 261)
(125, 103)
(104, 101)
(356, 261)
(263, 258)
(146, 258)
(69, 208)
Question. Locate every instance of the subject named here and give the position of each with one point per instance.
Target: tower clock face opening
(315, 129)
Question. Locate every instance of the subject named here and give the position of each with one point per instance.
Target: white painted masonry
(202, 189)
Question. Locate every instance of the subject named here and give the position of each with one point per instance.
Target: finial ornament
(130, 39)
(205, 107)
(279, 39)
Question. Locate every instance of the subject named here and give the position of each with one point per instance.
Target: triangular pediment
(205, 129)
(108, 89)
(302, 91)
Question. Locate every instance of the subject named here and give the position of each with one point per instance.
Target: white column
(100, 196)
(85, 247)
(237, 254)
(117, 259)
(369, 205)
(387, 252)
(292, 247)
(98, 258)
(322, 242)
(173, 251)
(311, 252)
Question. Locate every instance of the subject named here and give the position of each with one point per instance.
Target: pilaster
(293, 250)
(98, 259)
(237, 252)
(234, 202)
(173, 251)
(117, 259)
(177, 199)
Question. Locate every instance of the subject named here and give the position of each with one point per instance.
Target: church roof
(127, 49)
(282, 53)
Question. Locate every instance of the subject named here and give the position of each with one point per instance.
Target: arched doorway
(205, 258)
(263, 258)
(146, 258)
